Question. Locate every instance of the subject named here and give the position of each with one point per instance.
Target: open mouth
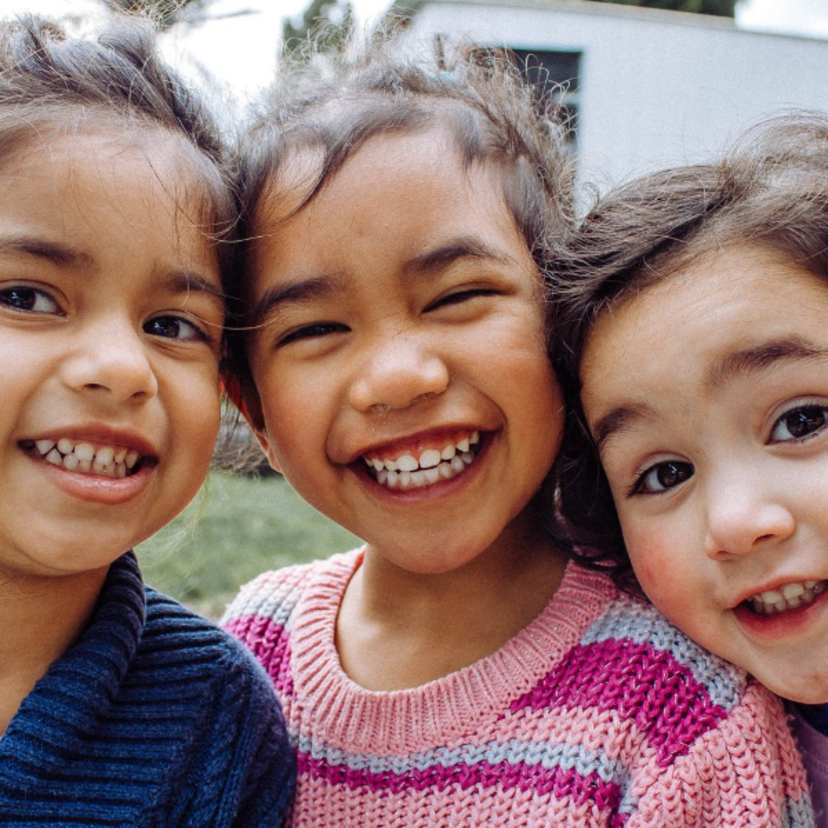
(86, 458)
(434, 464)
(789, 597)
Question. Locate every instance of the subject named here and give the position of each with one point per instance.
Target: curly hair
(769, 190)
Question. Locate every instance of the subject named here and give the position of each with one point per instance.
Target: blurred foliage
(328, 22)
(164, 12)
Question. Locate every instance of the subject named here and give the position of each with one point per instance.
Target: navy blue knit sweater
(154, 718)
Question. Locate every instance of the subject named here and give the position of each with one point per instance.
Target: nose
(744, 517)
(396, 372)
(111, 358)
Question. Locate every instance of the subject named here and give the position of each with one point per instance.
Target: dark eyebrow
(303, 290)
(762, 357)
(617, 420)
(446, 255)
(188, 282)
(55, 252)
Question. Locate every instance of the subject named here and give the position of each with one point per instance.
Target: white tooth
(54, 456)
(367, 461)
(120, 455)
(70, 462)
(432, 475)
(463, 445)
(407, 463)
(65, 445)
(405, 479)
(475, 438)
(105, 455)
(429, 459)
(393, 479)
(98, 467)
(378, 465)
(467, 457)
(790, 591)
(772, 596)
(391, 466)
(382, 476)
(418, 478)
(447, 453)
(810, 584)
(131, 458)
(84, 465)
(84, 451)
(44, 446)
(445, 470)
(120, 470)
(457, 464)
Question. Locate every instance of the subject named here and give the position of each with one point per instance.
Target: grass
(237, 527)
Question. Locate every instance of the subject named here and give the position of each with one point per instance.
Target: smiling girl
(695, 330)
(117, 706)
(454, 670)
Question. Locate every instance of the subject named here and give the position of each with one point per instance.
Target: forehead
(398, 192)
(686, 328)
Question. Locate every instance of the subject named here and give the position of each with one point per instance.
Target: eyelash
(316, 330)
(460, 296)
(200, 334)
(12, 297)
(678, 465)
(803, 411)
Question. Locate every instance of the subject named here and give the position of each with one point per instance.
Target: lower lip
(97, 488)
(791, 622)
(434, 491)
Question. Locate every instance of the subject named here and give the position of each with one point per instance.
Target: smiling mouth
(85, 458)
(407, 471)
(789, 597)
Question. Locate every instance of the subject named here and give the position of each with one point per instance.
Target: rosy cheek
(652, 566)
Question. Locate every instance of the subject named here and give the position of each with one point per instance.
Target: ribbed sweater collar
(78, 687)
(358, 719)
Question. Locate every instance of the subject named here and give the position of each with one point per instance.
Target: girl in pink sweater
(455, 670)
(695, 320)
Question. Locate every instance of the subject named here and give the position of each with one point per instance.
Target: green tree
(722, 8)
(330, 22)
(164, 12)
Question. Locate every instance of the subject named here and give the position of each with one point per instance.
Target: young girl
(453, 671)
(695, 324)
(117, 706)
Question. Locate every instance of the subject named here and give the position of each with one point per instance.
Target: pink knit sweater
(599, 713)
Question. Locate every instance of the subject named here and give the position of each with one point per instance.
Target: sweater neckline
(76, 690)
(446, 708)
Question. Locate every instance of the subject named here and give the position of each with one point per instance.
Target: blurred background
(642, 85)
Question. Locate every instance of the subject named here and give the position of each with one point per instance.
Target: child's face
(110, 316)
(708, 397)
(403, 328)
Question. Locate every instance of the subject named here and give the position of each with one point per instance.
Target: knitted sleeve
(744, 772)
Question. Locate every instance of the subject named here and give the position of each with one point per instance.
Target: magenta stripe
(641, 683)
(559, 782)
(270, 643)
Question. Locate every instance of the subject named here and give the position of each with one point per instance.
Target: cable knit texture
(599, 713)
(155, 718)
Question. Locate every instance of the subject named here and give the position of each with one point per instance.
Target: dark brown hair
(333, 104)
(770, 190)
(50, 82)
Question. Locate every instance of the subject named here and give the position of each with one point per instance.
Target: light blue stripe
(635, 621)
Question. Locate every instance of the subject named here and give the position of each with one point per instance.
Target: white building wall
(657, 88)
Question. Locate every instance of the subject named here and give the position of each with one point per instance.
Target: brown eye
(799, 423)
(664, 476)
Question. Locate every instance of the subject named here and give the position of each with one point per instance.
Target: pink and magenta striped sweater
(599, 713)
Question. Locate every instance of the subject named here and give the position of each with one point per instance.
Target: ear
(245, 397)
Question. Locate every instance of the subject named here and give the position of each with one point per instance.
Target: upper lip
(414, 443)
(100, 435)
